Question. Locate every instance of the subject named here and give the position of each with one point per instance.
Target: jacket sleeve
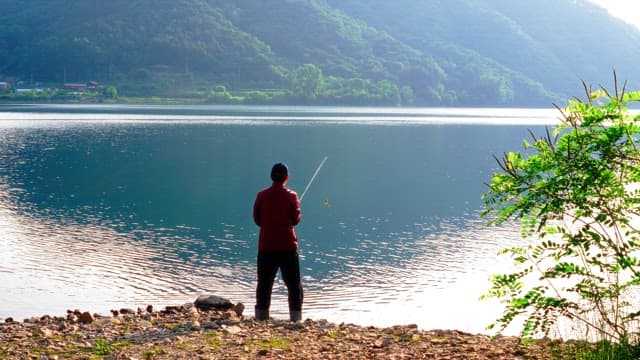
(297, 213)
(256, 210)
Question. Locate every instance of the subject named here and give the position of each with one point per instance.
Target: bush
(111, 92)
(257, 97)
(576, 193)
(220, 95)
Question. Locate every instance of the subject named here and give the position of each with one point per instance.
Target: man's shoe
(262, 315)
(295, 316)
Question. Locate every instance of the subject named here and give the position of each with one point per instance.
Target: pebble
(185, 332)
(85, 317)
(232, 329)
(210, 325)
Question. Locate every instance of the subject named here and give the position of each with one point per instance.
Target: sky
(627, 10)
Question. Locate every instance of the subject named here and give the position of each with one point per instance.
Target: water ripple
(97, 213)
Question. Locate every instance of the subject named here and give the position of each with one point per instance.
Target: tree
(111, 92)
(492, 88)
(406, 95)
(308, 81)
(576, 193)
(388, 92)
(220, 95)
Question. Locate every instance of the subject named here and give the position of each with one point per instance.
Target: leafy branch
(576, 193)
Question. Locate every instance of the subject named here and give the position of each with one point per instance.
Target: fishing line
(313, 177)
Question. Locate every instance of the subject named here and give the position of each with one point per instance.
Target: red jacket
(277, 211)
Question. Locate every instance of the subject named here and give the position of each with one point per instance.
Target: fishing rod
(313, 177)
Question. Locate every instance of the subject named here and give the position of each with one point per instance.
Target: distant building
(75, 86)
(91, 85)
(26, 90)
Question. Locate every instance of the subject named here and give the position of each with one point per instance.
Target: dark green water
(115, 206)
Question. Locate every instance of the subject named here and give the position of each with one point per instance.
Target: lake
(111, 206)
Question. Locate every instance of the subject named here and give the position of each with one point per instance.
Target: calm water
(106, 207)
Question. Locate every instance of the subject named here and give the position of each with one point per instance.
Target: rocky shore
(215, 328)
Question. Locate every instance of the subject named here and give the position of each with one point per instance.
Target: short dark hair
(279, 172)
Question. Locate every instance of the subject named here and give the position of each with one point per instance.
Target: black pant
(268, 265)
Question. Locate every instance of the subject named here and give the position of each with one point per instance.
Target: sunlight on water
(104, 207)
(100, 114)
(438, 288)
(48, 267)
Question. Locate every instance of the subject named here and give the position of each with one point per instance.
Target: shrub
(576, 194)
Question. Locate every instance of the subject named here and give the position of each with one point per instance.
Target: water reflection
(437, 286)
(97, 213)
(47, 266)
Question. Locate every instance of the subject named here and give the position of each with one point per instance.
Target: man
(276, 211)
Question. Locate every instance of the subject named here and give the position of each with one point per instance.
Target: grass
(606, 350)
(215, 341)
(594, 344)
(101, 347)
(408, 338)
(277, 343)
(150, 354)
(121, 344)
(182, 346)
(172, 325)
(602, 350)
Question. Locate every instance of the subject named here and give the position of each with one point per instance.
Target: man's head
(279, 173)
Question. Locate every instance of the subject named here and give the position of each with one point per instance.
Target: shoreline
(221, 331)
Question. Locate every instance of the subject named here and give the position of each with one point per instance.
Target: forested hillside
(380, 52)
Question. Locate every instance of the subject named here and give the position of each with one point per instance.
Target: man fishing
(276, 211)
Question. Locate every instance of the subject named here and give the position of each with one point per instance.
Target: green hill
(401, 52)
